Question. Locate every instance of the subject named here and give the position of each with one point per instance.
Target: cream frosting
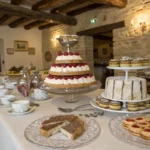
(70, 80)
(68, 56)
(67, 68)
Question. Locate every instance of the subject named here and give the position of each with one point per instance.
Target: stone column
(85, 47)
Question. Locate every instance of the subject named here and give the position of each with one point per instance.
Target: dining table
(12, 127)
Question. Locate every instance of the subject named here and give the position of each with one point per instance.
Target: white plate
(132, 101)
(115, 126)
(123, 110)
(12, 112)
(128, 68)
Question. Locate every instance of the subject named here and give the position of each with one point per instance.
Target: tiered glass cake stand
(71, 94)
(124, 109)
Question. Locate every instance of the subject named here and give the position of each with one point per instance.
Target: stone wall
(129, 41)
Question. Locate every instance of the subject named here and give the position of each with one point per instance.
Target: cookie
(115, 105)
(135, 129)
(128, 122)
(104, 103)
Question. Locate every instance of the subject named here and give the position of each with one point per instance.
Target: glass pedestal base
(72, 98)
(71, 95)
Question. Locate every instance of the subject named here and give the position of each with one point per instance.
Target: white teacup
(7, 99)
(21, 106)
(1, 86)
(3, 92)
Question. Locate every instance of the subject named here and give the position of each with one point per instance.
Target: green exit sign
(93, 20)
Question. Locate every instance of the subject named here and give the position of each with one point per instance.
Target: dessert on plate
(138, 126)
(125, 63)
(132, 89)
(115, 105)
(143, 125)
(73, 130)
(135, 129)
(128, 122)
(140, 119)
(145, 62)
(136, 62)
(69, 125)
(145, 134)
(132, 106)
(104, 103)
(129, 62)
(114, 63)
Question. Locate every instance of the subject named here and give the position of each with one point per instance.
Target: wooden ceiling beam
(117, 3)
(47, 26)
(6, 17)
(16, 2)
(103, 37)
(101, 29)
(43, 4)
(34, 24)
(69, 6)
(85, 9)
(35, 15)
(18, 22)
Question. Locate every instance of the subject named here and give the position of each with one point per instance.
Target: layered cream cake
(70, 81)
(69, 71)
(132, 89)
(68, 57)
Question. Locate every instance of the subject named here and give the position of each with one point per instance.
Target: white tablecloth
(12, 127)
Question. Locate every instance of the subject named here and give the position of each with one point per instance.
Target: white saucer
(12, 112)
(129, 68)
(123, 110)
(4, 106)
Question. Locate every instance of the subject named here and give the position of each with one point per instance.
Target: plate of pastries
(129, 62)
(138, 126)
(133, 129)
(62, 131)
(120, 107)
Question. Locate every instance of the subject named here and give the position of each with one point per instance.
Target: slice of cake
(73, 130)
(144, 89)
(110, 88)
(57, 119)
(127, 90)
(52, 129)
(118, 89)
(137, 90)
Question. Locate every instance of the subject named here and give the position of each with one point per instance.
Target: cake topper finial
(68, 40)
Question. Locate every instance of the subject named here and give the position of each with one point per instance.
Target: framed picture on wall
(48, 56)
(10, 51)
(21, 45)
(31, 51)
